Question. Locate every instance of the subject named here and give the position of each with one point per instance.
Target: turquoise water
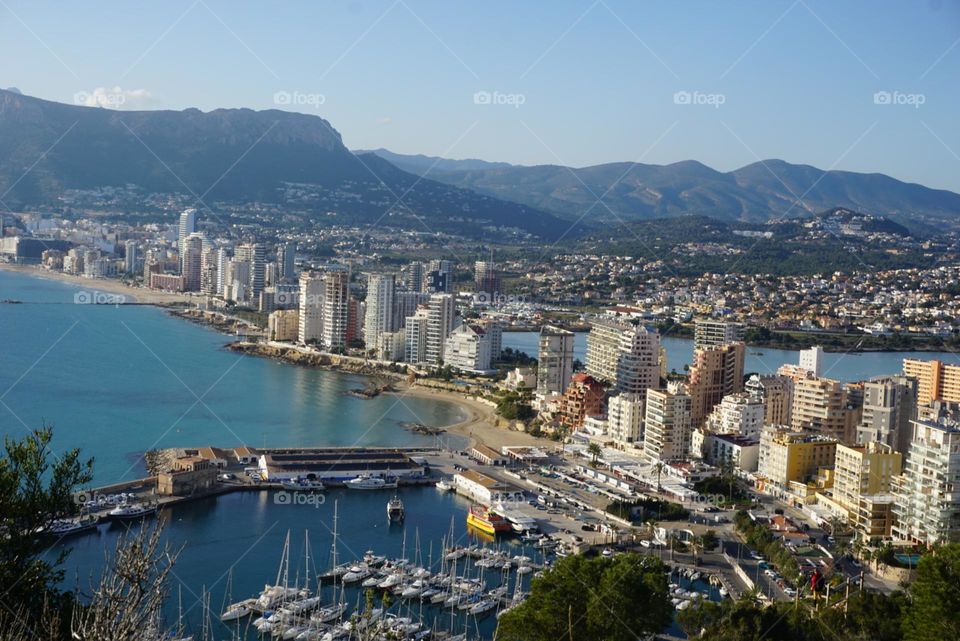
(117, 380)
(761, 360)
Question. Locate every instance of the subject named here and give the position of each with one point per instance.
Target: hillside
(230, 155)
(758, 192)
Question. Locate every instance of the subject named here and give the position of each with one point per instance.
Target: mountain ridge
(231, 155)
(758, 192)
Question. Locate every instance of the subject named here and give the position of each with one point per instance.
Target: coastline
(478, 426)
(479, 422)
(132, 295)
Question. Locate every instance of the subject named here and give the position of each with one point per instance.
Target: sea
(116, 381)
(842, 366)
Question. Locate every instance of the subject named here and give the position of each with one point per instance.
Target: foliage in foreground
(584, 599)
(929, 611)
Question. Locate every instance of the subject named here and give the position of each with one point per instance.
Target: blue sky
(577, 83)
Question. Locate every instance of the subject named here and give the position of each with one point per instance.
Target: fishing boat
(486, 521)
(444, 485)
(127, 511)
(395, 511)
(367, 482)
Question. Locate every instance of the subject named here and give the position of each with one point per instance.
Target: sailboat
(336, 610)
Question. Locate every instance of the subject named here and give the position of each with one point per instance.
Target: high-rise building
(415, 338)
(888, 407)
(486, 279)
(223, 264)
(286, 261)
(130, 256)
(936, 380)
(188, 225)
(310, 317)
(666, 424)
(625, 419)
(739, 413)
(820, 406)
(413, 277)
(927, 494)
(776, 394)
(624, 355)
(717, 371)
(237, 283)
(405, 304)
(555, 360)
(209, 276)
(335, 295)
(467, 349)
(494, 331)
(255, 255)
(442, 314)
(379, 313)
(708, 332)
(862, 482)
(812, 360)
(439, 276)
(192, 261)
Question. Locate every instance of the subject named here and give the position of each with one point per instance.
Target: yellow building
(862, 486)
(283, 325)
(788, 456)
(936, 380)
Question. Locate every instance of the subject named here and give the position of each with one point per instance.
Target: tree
(595, 451)
(581, 599)
(127, 603)
(934, 614)
(36, 488)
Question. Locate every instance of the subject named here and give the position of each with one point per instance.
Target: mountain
(758, 192)
(232, 155)
(419, 164)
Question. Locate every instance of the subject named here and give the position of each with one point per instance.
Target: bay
(846, 367)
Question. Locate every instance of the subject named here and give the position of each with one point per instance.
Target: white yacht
(132, 510)
(444, 485)
(367, 482)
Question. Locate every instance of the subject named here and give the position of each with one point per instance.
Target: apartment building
(936, 380)
(776, 394)
(667, 424)
(717, 371)
(927, 494)
(625, 418)
(788, 456)
(554, 360)
(584, 397)
(820, 405)
(888, 407)
(624, 355)
(708, 332)
(283, 325)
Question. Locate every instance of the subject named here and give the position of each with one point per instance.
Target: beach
(95, 287)
(479, 425)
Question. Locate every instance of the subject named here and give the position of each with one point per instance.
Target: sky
(870, 86)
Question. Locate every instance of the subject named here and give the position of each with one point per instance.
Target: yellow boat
(486, 521)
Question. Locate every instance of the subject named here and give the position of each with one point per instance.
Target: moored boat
(367, 482)
(486, 521)
(395, 510)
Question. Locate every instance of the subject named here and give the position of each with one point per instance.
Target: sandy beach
(479, 426)
(95, 286)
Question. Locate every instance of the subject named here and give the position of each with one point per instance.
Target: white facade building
(625, 419)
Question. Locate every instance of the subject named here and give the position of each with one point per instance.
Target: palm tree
(659, 468)
(595, 452)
